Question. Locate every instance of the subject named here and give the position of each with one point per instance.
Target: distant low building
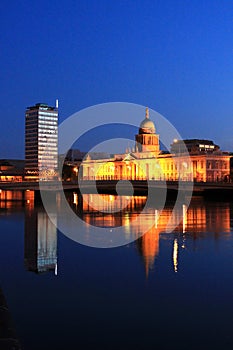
(194, 146)
(73, 160)
(198, 160)
(11, 170)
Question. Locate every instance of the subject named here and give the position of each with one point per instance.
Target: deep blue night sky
(173, 56)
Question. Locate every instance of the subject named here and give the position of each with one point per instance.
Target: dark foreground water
(162, 291)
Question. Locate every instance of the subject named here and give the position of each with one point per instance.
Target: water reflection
(8, 337)
(189, 275)
(148, 248)
(40, 239)
(106, 211)
(175, 255)
(199, 220)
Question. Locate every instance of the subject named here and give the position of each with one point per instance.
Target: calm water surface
(163, 291)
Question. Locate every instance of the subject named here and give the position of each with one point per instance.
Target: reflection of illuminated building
(147, 161)
(40, 241)
(108, 210)
(8, 197)
(148, 246)
(212, 217)
(198, 220)
(175, 255)
(12, 199)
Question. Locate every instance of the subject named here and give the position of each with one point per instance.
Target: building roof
(41, 105)
(16, 163)
(147, 126)
(197, 141)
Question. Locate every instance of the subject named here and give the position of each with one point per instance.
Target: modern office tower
(41, 142)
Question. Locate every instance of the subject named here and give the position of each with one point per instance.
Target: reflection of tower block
(40, 242)
(147, 140)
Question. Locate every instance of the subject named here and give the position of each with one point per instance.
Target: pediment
(130, 156)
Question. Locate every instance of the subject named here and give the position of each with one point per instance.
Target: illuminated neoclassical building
(198, 160)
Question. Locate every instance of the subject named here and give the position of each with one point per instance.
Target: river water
(163, 290)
